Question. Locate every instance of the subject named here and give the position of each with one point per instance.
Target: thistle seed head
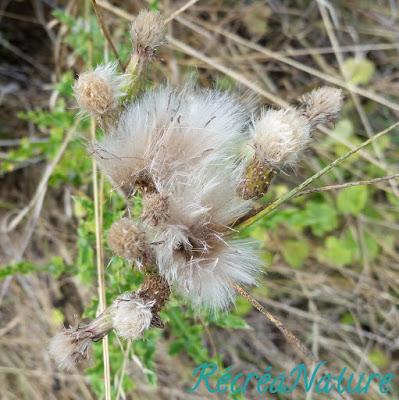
(97, 92)
(127, 240)
(155, 208)
(280, 136)
(131, 316)
(168, 133)
(66, 351)
(148, 33)
(72, 345)
(322, 105)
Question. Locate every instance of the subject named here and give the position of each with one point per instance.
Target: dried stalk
(347, 184)
(98, 231)
(106, 32)
(291, 338)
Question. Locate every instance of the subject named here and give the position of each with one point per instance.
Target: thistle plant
(199, 161)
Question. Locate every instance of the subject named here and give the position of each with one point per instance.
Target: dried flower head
(167, 133)
(280, 136)
(322, 105)
(155, 208)
(97, 92)
(71, 346)
(132, 316)
(127, 240)
(148, 32)
(66, 351)
(155, 288)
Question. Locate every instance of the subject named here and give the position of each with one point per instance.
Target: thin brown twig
(106, 33)
(180, 10)
(347, 184)
(291, 338)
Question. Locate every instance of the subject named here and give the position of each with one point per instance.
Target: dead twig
(347, 184)
(106, 33)
(291, 338)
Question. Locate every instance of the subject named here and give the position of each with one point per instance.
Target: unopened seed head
(132, 316)
(148, 32)
(280, 136)
(322, 105)
(67, 351)
(127, 240)
(155, 208)
(97, 92)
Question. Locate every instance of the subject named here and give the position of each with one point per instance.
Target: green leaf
(295, 252)
(338, 251)
(359, 71)
(231, 321)
(321, 217)
(352, 200)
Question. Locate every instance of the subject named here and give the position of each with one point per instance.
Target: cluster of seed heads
(198, 159)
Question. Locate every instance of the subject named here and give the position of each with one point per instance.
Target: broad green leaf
(337, 252)
(321, 217)
(352, 200)
(295, 252)
(360, 71)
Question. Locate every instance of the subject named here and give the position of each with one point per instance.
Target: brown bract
(127, 240)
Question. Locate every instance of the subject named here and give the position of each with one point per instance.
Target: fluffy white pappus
(322, 105)
(280, 136)
(97, 92)
(148, 32)
(191, 246)
(206, 272)
(131, 316)
(168, 132)
(66, 351)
